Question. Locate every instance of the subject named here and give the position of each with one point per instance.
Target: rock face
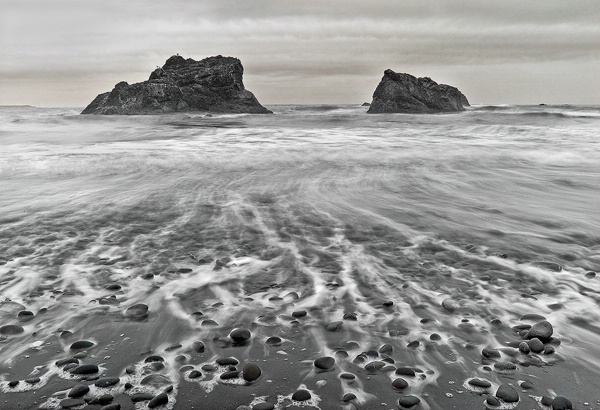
(213, 84)
(398, 92)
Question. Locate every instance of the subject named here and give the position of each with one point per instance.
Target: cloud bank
(65, 52)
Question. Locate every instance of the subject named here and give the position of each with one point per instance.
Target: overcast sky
(65, 52)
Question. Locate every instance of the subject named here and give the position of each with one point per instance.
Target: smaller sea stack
(213, 84)
(404, 93)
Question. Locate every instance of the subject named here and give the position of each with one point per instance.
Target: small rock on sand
(507, 393)
(324, 363)
(561, 403)
(158, 400)
(251, 372)
(408, 401)
(542, 330)
(301, 395)
(138, 311)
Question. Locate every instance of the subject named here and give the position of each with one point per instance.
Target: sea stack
(404, 93)
(213, 84)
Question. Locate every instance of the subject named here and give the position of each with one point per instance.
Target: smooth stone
(490, 353)
(350, 316)
(389, 303)
(542, 330)
(505, 366)
(507, 393)
(240, 335)
(492, 401)
(347, 376)
(209, 367)
(69, 403)
(107, 381)
(524, 347)
(408, 401)
(435, 337)
(536, 345)
(526, 385)
(154, 358)
(273, 341)
(348, 397)
(414, 344)
(551, 266)
(113, 286)
(374, 366)
(79, 391)
(561, 403)
(546, 401)
(405, 371)
(82, 344)
(25, 316)
(137, 397)
(233, 374)
(480, 383)
(198, 346)
(33, 380)
(324, 363)
(299, 313)
(13, 383)
(138, 311)
(590, 275)
(209, 322)
(85, 369)
(400, 384)
(227, 361)
(251, 372)
(333, 326)
(194, 374)
(11, 330)
(301, 395)
(263, 406)
(549, 350)
(158, 400)
(450, 305)
(69, 360)
(386, 349)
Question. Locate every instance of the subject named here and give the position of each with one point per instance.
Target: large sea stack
(212, 84)
(399, 92)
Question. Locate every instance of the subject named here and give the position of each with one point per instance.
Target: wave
(556, 111)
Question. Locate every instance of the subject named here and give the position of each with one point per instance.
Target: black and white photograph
(299, 205)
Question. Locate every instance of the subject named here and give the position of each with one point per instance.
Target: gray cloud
(309, 51)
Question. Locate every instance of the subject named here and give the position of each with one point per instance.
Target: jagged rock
(212, 84)
(399, 92)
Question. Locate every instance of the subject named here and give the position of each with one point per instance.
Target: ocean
(437, 235)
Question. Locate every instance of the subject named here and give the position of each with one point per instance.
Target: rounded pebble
(114, 406)
(81, 344)
(79, 390)
(450, 305)
(408, 401)
(107, 381)
(347, 376)
(561, 403)
(349, 397)
(227, 361)
(480, 383)
(85, 369)
(324, 363)
(492, 401)
(536, 345)
(490, 353)
(333, 326)
(233, 374)
(10, 330)
(138, 311)
(251, 372)
(507, 393)
(137, 397)
(240, 335)
(505, 366)
(400, 384)
(299, 313)
(301, 395)
(542, 330)
(405, 371)
(158, 400)
(194, 374)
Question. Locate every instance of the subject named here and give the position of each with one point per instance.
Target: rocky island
(404, 93)
(213, 84)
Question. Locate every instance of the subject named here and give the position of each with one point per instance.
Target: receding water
(345, 209)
